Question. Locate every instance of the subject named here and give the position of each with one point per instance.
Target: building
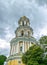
(22, 41)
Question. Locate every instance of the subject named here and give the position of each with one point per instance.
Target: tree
(33, 56)
(43, 40)
(2, 59)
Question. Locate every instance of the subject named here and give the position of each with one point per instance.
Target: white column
(30, 43)
(17, 48)
(23, 47)
(14, 49)
(11, 50)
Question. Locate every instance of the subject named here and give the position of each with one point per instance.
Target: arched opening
(23, 23)
(20, 46)
(26, 22)
(21, 49)
(22, 33)
(19, 62)
(28, 33)
(32, 43)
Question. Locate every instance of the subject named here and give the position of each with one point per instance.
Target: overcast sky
(12, 10)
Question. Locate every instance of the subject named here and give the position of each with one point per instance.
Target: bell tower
(22, 41)
(24, 29)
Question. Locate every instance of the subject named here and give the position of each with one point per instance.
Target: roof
(23, 18)
(31, 39)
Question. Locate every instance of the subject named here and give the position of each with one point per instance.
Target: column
(12, 49)
(30, 43)
(17, 48)
(23, 47)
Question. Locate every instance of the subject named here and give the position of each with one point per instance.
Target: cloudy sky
(12, 10)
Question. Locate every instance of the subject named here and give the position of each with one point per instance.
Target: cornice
(29, 39)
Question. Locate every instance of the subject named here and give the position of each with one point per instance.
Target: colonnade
(15, 48)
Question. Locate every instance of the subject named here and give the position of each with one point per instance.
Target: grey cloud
(4, 51)
(13, 10)
(9, 15)
(2, 33)
(42, 2)
(29, 0)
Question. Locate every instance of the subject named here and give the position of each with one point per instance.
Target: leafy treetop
(43, 40)
(2, 59)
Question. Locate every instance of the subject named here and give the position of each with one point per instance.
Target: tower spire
(24, 29)
(24, 21)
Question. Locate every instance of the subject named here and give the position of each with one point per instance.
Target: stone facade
(21, 43)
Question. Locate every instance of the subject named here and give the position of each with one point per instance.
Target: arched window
(26, 22)
(21, 49)
(20, 46)
(28, 33)
(32, 43)
(19, 62)
(22, 33)
(23, 23)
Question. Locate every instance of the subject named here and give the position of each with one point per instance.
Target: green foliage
(45, 61)
(46, 57)
(33, 56)
(2, 59)
(43, 40)
(33, 63)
